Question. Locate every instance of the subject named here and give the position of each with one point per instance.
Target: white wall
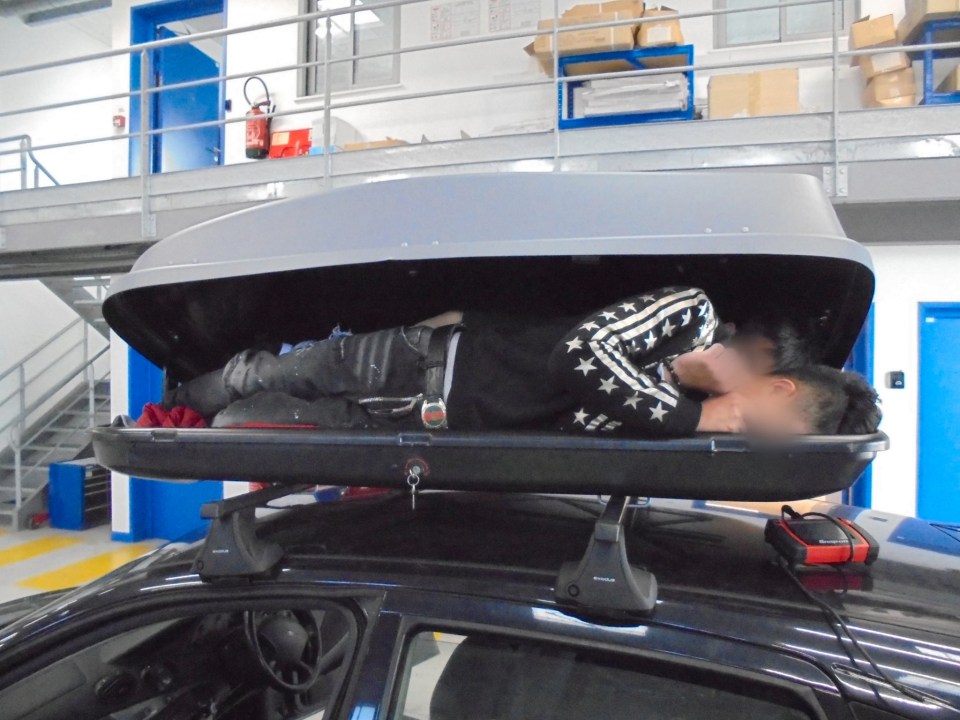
(29, 315)
(906, 276)
(21, 45)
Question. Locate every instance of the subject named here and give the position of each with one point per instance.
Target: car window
(478, 677)
(258, 664)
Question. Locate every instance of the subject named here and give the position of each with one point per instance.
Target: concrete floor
(33, 561)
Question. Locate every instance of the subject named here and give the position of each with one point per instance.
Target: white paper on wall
(457, 19)
(506, 15)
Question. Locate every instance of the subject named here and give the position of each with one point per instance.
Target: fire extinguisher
(258, 123)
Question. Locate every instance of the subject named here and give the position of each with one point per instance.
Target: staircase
(61, 435)
(48, 403)
(85, 295)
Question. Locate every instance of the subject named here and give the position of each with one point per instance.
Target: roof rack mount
(604, 581)
(232, 548)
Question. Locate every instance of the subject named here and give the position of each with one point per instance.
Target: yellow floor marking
(33, 548)
(86, 570)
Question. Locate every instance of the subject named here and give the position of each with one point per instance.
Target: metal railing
(26, 158)
(39, 382)
(834, 59)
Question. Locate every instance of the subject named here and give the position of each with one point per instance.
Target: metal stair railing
(27, 380)
(26, 157)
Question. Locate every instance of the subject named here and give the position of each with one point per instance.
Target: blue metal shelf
(926, 36)
(638, 58)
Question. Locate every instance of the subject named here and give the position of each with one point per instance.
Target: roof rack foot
(604, 581)
(232, 549)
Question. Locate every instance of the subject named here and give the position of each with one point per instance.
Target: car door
(458, 658)
(232, 653)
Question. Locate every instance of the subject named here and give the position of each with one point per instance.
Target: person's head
(771, 345)
(810, 400)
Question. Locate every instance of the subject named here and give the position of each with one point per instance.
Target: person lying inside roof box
(655, 365)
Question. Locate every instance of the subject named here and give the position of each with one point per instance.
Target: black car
(448, 610)
(501, 586)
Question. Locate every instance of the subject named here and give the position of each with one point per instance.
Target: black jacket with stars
(604, 373)
(614, 363)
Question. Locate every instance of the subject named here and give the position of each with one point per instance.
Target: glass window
(351, 34)
(478, 677)
(197, 666)
(773, 25)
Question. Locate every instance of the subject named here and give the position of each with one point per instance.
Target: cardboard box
(373, 144)
(873, 65)
(895, 89)
(578, 42)
(775, 92)
(665, 33)
(870, 32)
(633, 8)
(901, 101)
(951, 83)
(769, 92)
(917, 11)
(729, 96)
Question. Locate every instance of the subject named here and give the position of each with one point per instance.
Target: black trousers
(331, 383)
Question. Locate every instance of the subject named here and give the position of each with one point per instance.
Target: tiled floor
(39, 560)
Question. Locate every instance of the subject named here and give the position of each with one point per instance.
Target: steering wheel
(288, 647)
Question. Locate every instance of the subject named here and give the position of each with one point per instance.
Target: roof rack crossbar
(604, 581)
(232, 549)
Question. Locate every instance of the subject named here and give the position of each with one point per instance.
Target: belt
(433, 410)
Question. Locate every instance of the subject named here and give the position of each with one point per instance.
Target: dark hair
(791, 348)
(836, 402)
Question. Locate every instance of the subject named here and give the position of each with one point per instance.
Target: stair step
(66, 447)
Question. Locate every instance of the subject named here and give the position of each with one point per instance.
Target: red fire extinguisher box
(289, 143)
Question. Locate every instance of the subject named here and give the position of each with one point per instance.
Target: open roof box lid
(383, 254)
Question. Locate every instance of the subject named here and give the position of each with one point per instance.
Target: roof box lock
(604, 581)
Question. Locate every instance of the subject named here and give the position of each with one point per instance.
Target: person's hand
(716, 370)
(722, 414)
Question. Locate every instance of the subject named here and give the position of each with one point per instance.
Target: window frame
(851, 9)
(25, 660)
(308, 47)
(394, 695)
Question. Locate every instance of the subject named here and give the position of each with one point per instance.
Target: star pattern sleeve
(612, 363)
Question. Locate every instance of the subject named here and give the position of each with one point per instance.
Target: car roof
(717, 576)
(705, 548)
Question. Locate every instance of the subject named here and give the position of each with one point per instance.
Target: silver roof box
(389, 253)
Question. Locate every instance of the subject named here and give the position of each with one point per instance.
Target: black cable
(833, 617)
(835, 621)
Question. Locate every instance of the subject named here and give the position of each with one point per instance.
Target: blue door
(181, 63)
(938, 442)
(186, 149)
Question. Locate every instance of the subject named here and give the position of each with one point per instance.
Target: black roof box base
(724, 467)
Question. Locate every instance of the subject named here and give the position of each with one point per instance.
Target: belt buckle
(433, 413)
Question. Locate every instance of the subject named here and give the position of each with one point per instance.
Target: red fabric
(180, 417)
